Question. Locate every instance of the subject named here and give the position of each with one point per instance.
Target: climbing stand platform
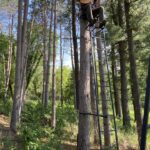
(145, 125)
(99, 56)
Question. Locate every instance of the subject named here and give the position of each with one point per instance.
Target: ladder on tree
(145, 125)
(94, 60)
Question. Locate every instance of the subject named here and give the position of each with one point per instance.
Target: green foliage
(3, 51)
(65, 80)
(69, 90)
(3, 43)
(34, 127)
(4, 46)
(5, 107)
(35, 130)
(66, 114)
(8, 144)
(116, 33)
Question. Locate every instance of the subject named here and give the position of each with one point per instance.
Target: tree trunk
(133, 70)
(20, 65)
(84, 101)
(115, 84)
(72, 63)
(24, 53)
(61, 66)
(54, 71)
(72, 58)
(9, 60)
(11, 89)
(102, 71)
(45, 55)
(49, 54)
(48, 59)
(124, 91)
(122, 53)
(31, 67)
(93, 104)
(17, 98)
(103, 91)
(75, 45)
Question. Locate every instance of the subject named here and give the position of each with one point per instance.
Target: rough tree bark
(49, 54)
(72, 60)
(75, 45)
(72, 64)
(115, 84)
(103, 91)
(45, 55)
(107, 140)
(93, 104)
(61, 65)
(20, 65)
(124, 90)
(122, 53)
(133, 70)
(54, 71)
(47, 63)
(84, 99)
(24, 53)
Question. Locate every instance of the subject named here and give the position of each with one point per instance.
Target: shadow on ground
(68, 146)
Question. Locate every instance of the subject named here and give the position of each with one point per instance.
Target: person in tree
(92, 13)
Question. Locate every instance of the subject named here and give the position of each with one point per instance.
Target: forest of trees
(65, 85)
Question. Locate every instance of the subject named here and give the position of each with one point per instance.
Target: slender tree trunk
(49, 56)
(20, 65)
(122, 53)
(115, 84)
(103, 91)
(72, 63)
(45, 55)
(93, 104)
(61, 66)
(17, 96)
(34, 57)
(54, 71)
(102, 71)
(124, 91)
(75, 45)
(84, 103)
(133, 70)
(72, 58)
(24, 53)
(30, 69)
(9, 60)
(118, 20)
(11, 89)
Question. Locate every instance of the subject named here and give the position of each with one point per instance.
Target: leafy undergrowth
(35, 132)
(8, 141)
(128, 139)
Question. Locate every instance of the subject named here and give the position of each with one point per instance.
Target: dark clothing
(93, 15)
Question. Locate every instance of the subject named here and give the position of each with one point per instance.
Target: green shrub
(5, 108)
(35, 130)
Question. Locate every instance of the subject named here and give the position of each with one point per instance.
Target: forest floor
(9, 141)
(6, 137)
(4, 126)
(4, 131)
